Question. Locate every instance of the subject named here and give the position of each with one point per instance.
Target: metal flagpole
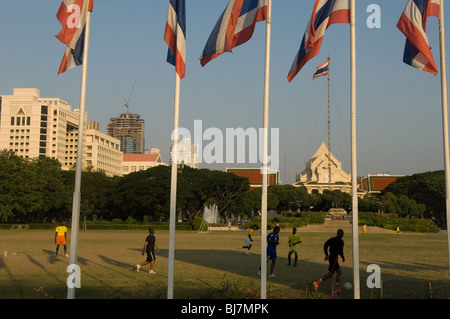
(329, 127)
(265, 156)
(445, 120)
(355, 241)
(76, 194)
(173, 188)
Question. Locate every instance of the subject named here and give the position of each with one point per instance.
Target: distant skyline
(399, 115)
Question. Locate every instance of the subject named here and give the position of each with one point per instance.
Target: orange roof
(140, 157)
(254, 175)
(380, 183)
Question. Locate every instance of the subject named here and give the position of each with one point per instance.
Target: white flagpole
(173, 188)
(79, 164)
(265, 156)
(355, 242)
(445, 120)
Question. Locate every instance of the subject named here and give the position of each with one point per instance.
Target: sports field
(208, 265)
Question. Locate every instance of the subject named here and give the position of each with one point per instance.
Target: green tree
(20, 188)
(143, 193)
(56, 195)
(424, 188)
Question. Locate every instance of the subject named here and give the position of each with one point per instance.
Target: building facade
(102, 151)
(187, 153)
(323, 172)
(32, 126)
(129, 129)
(139, 162)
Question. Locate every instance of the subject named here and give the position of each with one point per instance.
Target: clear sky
(399, 114)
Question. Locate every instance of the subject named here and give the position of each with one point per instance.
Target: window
(12, 120)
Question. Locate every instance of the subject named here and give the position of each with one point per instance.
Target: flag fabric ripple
(321, 70)
(234, 27)
(72, 16)
(412, 24)
(325, 13)
(175, 36)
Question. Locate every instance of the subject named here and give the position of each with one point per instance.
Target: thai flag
(321, 70)
(325, 13)
(72, 16)
(234, 27)
(412, 24)
(175, 36)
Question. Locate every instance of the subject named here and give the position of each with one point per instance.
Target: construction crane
(127, 102)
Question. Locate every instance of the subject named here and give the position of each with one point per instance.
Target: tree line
(38, 190)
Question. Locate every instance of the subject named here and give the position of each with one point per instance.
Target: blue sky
(399, 116)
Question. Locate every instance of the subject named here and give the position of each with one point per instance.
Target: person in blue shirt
(272, 243)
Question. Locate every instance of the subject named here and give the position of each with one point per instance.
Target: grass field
(209, 265)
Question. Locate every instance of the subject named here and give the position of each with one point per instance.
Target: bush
(197, 222)
(290, 222)
(392, 222)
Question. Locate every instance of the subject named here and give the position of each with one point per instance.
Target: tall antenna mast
(329, 124)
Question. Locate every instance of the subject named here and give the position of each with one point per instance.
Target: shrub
(197, 222)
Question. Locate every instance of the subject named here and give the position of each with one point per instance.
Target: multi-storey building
(32, 127)
(129, 129)
(102, 151)
(187, 153)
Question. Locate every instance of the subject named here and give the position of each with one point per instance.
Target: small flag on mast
(175, 36)
(325, 13)
(72, 16)
(321, 70)
(412, 24)
(234, 27)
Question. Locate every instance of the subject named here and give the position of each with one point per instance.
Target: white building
(187, 153)
(32, 127)
(102, 151)
(139, 162)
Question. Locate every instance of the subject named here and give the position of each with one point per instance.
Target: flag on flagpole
(234, 27)
(412, 24)
(321, 70)
(72, 16)
(325, 13)
(175, 36)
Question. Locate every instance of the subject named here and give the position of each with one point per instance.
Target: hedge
(289, 222)
(392, 222)
(110, 226)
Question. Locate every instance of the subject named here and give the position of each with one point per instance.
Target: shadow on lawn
(395, 286)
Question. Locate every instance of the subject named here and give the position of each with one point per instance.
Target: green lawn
(207, 263)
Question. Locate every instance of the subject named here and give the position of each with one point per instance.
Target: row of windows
(20, 120)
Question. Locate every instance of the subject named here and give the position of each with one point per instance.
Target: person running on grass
(248, 240)
(149, 248)
(272, 242)
(294, 244)
(61, 237)
(333, 248)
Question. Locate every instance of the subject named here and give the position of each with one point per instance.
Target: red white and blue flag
(321, 70)
(325, 13)
(72, 16)
(234, 27)
(412, 24)
(175, 36)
